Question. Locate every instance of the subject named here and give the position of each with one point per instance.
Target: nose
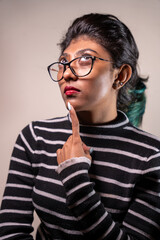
(68, 75)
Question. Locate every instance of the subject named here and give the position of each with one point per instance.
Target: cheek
(102, 85)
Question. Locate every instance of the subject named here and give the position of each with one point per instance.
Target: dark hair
(117, 39)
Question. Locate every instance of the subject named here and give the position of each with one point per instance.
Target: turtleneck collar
(119, 121)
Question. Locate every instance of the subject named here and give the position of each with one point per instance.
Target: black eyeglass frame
(72, 70)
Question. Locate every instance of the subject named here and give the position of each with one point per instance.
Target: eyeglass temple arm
(104, 59)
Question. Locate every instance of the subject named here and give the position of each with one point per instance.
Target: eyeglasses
(80, 67)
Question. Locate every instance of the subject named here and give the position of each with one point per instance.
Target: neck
(96, 118)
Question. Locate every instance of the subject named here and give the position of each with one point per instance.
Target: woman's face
(94, 91)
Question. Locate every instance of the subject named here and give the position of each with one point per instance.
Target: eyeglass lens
(80, 67)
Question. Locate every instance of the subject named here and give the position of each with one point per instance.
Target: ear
(122, 76)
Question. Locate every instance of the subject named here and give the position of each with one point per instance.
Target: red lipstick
(69, 90)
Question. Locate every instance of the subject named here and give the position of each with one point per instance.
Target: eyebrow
(85, 50)
(79, 52)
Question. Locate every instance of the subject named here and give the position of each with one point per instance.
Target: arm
(16, 213)
(141, 220)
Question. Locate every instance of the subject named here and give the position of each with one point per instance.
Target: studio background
(29, 33)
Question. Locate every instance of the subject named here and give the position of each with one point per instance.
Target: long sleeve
(16, 213)
(141, 220)
(116, 196)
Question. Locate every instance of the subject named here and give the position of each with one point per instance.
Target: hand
(74, 147)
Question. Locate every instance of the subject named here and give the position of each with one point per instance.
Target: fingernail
(91, 150)
(69, 106)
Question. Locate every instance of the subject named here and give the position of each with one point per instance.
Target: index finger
(75, 121)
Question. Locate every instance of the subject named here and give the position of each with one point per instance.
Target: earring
(115, 85)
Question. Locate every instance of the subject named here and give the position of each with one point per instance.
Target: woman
(92, 174)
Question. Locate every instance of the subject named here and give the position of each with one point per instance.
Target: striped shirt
(116, 196)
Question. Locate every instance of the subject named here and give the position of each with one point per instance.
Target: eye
(63, 60)
(86, 57)
(85, 60)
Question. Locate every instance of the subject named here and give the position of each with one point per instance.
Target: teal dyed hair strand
(137, 108)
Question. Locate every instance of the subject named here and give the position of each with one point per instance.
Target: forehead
(81, 43)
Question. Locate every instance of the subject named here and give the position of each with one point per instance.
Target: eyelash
(86, 55)
(83, 55)
(62, 60)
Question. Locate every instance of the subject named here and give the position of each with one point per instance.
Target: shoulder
(139, 137)
(51, 123)
(40, 127)
(142, 136)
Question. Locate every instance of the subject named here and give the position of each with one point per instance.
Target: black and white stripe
(76, 200)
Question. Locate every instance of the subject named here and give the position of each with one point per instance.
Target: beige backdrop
(29, 33)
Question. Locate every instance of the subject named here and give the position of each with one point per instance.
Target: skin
(74, 147)
(95, 103)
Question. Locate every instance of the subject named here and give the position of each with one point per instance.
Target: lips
(69, 90)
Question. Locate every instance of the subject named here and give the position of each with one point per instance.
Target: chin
(76, 106)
